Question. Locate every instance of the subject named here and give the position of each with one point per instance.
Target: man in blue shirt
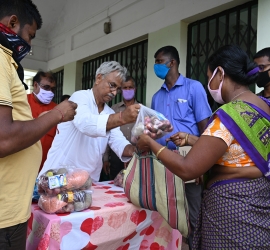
(183, 102)
(262, 58)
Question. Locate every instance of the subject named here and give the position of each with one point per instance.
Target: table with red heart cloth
(111, 223)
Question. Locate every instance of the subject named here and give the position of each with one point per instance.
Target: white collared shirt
(82, 142)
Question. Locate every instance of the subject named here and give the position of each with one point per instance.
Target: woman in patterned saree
(235, 152)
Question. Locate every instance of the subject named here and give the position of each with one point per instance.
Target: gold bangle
(160, 150)
(186, 139)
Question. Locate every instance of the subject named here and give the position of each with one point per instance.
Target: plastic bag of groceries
(56, 181)
(66, 202)
(150, 122)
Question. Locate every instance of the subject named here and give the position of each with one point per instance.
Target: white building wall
(78, 35)
(72, 77)
(39, 58)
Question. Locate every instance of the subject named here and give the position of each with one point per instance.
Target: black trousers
(14, 237)
(194, 198)
(116, 165)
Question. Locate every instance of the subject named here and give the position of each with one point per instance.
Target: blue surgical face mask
(161, 70)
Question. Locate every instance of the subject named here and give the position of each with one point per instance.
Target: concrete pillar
(72, 78)
(263, 38)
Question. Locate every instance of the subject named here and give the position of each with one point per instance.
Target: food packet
(66, 202)
(118, 180)
(56, 181)
(150, 122)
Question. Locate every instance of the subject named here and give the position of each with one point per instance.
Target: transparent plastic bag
(150, 122)
(56, 181)
(66, 202)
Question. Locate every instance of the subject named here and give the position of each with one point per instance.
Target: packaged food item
(56, 181)
(66, 202)
(118, 180)
(150, 122)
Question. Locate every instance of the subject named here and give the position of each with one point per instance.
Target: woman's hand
(179, 139)
(143, 143)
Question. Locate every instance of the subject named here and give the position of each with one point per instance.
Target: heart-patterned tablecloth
(111, 223)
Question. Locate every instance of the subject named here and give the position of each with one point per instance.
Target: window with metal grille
(234, 26)
(59, 76)
(133, 57)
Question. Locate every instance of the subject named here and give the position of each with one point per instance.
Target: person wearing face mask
(112, 165)
(184, 103)
(235, 151)
(262, 59)
(83, 141)
(20, 48)
(40, 101)
(20, 149)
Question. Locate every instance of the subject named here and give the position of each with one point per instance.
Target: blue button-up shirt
(184, 105)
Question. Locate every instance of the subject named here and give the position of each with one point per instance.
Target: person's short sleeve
(217, 129)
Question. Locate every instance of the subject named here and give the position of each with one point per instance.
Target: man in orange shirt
(40, 101)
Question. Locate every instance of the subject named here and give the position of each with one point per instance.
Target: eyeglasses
(47, 87)
(113, 87)
(263, 66)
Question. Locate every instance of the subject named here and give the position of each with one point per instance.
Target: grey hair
(108, 67)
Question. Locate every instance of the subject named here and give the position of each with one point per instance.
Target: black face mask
(263, 78)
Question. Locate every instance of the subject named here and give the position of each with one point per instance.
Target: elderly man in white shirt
(82, 142)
